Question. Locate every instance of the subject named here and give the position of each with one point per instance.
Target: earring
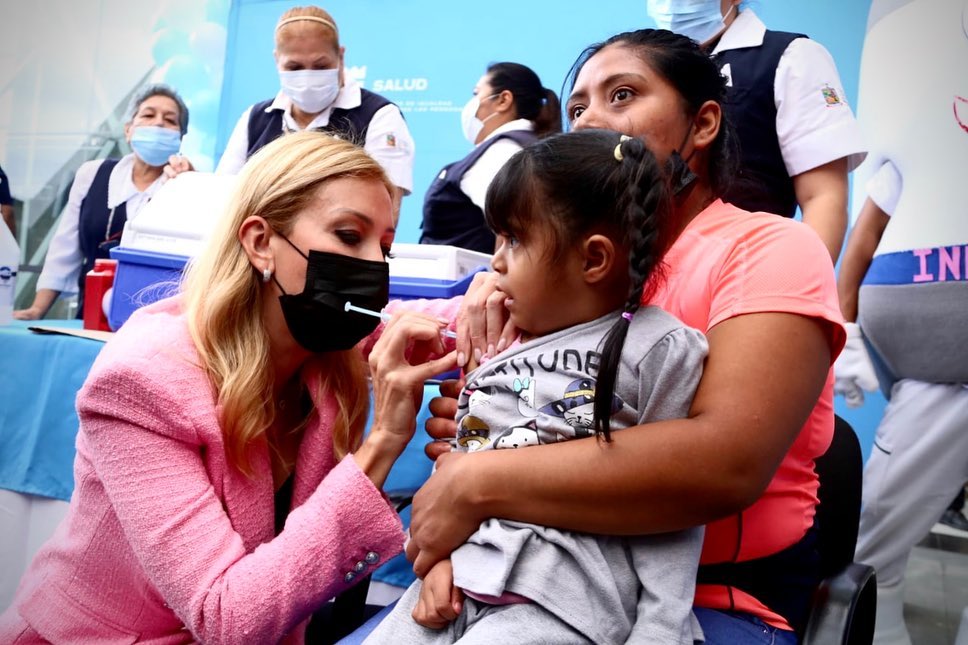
(266, 274)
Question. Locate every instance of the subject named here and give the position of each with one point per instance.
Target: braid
(579, 183)
(645, 208)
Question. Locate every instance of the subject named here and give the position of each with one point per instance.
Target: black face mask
(680, 174)
(317, 317)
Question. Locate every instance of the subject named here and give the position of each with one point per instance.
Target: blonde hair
(309, 14)
(223, 294)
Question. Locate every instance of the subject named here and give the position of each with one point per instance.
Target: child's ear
(599, 255)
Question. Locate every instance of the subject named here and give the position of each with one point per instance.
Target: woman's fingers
(508, 335)
(472, 318)
(435, 449)
(439, 523)
(456, 600)
(25, 314)
(441, 426)
(400, 334)
(444, 407)
(497, 317)
(398, 384)
(451, 388)
(445, 363)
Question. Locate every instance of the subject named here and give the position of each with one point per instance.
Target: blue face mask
(155, 144)
(701, 20)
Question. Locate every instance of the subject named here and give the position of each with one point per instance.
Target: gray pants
(918, 463)
(478, 624)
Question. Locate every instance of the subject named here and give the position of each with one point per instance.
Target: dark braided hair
(696, 77)
(592, 181)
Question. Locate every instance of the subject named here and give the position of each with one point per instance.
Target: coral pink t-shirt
(729, 262)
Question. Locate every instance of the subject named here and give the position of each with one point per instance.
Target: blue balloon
(207, 43)
(168, 43)
(186, 74)
(203, 108)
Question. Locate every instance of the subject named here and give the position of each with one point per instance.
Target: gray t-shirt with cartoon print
(612, 589)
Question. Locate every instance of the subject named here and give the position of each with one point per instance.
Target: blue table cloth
(38, 424)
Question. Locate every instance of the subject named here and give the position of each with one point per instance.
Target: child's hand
(440, 601)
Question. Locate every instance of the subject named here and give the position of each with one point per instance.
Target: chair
(844, 604)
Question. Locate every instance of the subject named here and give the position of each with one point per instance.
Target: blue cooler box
(403, 288)
(142, 277)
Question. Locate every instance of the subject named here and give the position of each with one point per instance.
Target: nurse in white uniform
(904, 279)
(108, 192)
(316, 95)
(798, 139)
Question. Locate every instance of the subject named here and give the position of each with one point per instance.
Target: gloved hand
(853, 370)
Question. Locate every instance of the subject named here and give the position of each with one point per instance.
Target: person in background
(904, 289)
(224, 487)
(108, 192)
(6, 203)
(954, 516)
(509, 110)
(797, 136)
(316, 95)
(743, 461)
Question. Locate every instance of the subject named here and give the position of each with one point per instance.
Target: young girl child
(583, 220)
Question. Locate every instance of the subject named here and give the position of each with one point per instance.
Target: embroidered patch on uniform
(391, 141)
(830, 96)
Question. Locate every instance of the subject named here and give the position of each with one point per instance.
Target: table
(38, 426)
(38, 423)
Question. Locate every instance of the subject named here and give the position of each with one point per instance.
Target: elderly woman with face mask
(316, 95)
(108, 192)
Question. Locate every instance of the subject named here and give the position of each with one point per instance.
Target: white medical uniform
(388, 139)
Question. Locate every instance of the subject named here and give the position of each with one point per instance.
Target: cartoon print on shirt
(473, 398)
(472, 433)
(519, 437)
(478, 397)
(577, 407)
(525, 388)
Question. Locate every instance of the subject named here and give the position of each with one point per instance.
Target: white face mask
(701, 20)
(311, 90)
(469, 122)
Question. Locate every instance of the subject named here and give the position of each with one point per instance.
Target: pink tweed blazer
(164, 541)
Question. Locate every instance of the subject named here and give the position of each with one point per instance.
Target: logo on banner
(400, 85)
(357, 73)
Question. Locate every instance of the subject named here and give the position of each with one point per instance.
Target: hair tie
(618, 149)
(627, 315)
(322, 21)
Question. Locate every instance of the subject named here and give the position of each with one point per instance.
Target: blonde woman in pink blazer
(223, 488)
